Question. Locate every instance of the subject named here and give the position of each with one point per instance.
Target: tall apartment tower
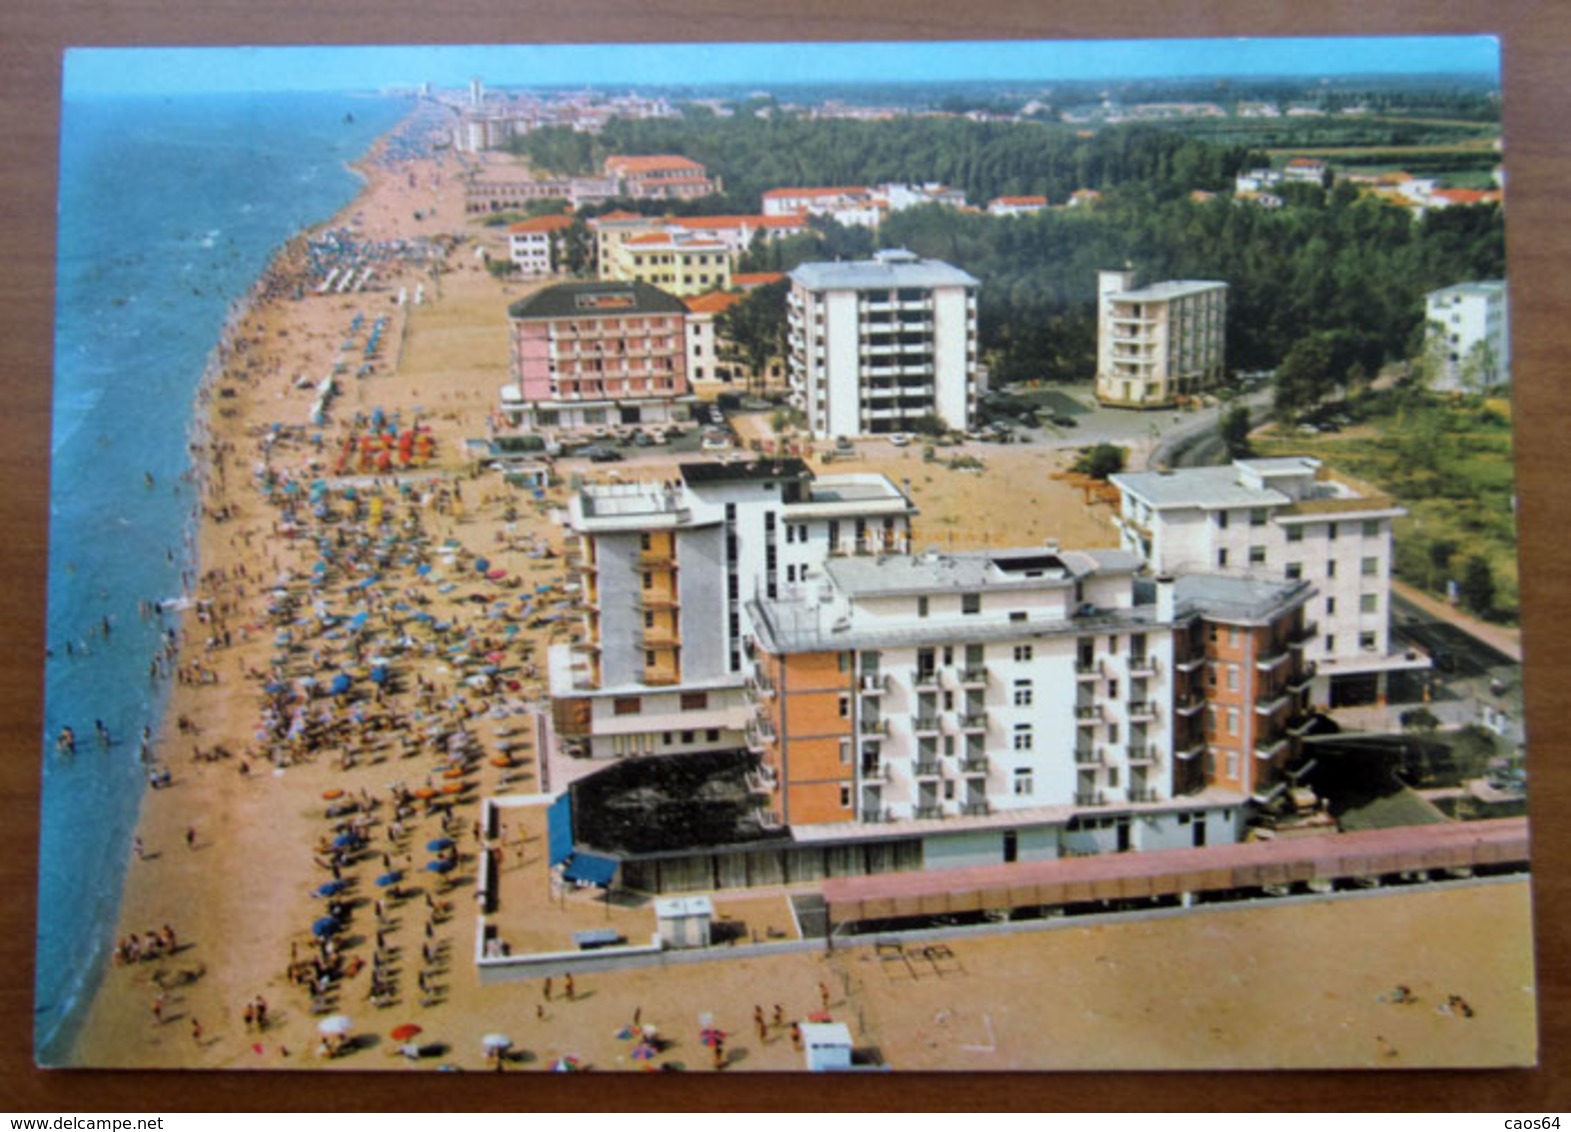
(667, 571)
(877, 344)
(1157, 343)
(476, 92)
(1469, 323)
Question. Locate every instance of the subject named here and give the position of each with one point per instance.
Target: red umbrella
(405, 1032)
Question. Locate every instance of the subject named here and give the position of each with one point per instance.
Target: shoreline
(196, 529)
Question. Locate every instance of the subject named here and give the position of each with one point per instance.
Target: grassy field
(1450, 465)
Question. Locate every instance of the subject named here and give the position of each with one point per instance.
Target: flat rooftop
(881, 273)
(1025, 568)
(1171, 289)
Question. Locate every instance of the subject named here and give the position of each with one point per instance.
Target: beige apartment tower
(1159, 343)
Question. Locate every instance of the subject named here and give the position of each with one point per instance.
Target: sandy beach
(265, 766)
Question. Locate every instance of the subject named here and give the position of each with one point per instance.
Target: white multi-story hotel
(667, 571)
(1469, 326)
(1158, 343)
(1287, 518)
(877, 344)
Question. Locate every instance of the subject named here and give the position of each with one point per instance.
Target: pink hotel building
(582, 355)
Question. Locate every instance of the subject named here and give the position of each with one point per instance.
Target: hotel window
(688, 736)
(1232, 721)
(1232, 636)
(1023, 738)
(845, 707)
(695, 701)
(1112, 778)
(1221, 557)
(1257, 555)
(1371, 528)
(970, 603)
(845, 797)
(1232, 764)
(1024, 785)
(1221, 520)
(1232, 677)
(1330, 642)
(1294, 571)
(1367, 642)
(1257, 517)
(1369, 567)
(626, 705)
(921, 607)
(1331, 567)
(1294, 533)
(1022, 653)
(1023, 693)
(1369, 603)
(649, 581)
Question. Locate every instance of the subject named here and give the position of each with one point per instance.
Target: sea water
(170, 208)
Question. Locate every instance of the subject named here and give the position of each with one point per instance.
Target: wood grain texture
(1536, 40)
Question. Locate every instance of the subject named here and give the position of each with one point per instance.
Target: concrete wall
(701, 581)
(621, 628)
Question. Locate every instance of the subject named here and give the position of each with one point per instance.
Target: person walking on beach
(546, 990)
(190, 837)
(758, 1020)
(570, 991)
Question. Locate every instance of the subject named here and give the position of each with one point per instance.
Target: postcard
(901, 556)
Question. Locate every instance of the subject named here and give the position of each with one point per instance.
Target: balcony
(1142, 709)
(866, 726)
(1189, 704)
(1300, 725)
(759, 686)
(656, 600)
(1298, 638)
(1273, 703)
(759, 735)
(974, 764)
(1270, 660)
(1144, 794)
(875, 815)
(973, 676)
(1189, 663)
(1087, 670)
(1142, 666)
(875, 770)
(925, 679)
(924, 724)
(1271, 749)
(1142, 754)
(872, 684)
(1090, 798)
(931, 811)
(1301, 682)
(1088, 713)
(1088, 756)
(973, 721)
(762, 781)
(926, 768)
(976, 809)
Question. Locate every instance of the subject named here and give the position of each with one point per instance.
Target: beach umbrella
(567, 1064)
(335, 1024)
(453, 788)
(331, 888)
(324, 927)
(482, 565)
(643, 1051)
(437, 844)
(330, 795)
(425, 792)
(345, 841)
(496, 1042)
(405, 1032)
(341, 684)
(387, 880)
(443, 866)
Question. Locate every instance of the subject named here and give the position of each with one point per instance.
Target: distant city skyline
(158, 70)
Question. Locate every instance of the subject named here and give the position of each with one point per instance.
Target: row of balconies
(965, 676)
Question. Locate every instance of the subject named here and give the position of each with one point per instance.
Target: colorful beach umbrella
(405, 1032)
(331, 888)
(437, 844)
(325, 927)
(387, 880)
(443, 866)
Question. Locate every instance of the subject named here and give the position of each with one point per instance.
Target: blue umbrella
(345, 841)
(437, 844)
(439, 866)
(324, 927)
(331, 888)
(358, 620)
(379, 674)
(340, 685)
(482, 564)
(387, 880)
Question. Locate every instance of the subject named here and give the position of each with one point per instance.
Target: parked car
(900, 439)
(599, 454)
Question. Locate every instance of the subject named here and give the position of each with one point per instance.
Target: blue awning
(559, 830)
(588, 868)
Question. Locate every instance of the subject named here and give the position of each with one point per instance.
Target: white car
(900, 439)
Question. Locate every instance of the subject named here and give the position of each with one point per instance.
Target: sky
(90, 71)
